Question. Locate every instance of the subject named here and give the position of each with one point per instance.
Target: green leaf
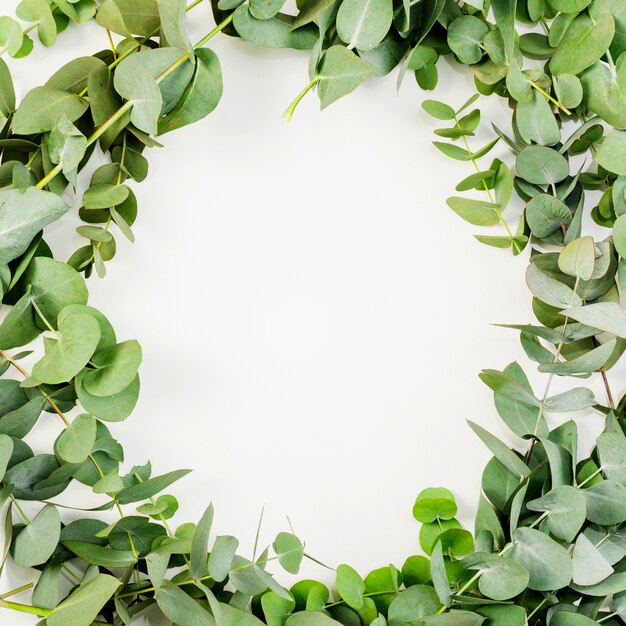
(11, 35)
(173, 16)
(452, 151)
(37, 541)
(173, 85)
(97, 555)
(150, 487)
(134, 83)
(570, 6)
(310, 618)
(439, 110)
(74, 76)
(501, 451)
(535, 121)
(113, 408)
(341, 72)
(221, 557)
(578, 258)
(569, 90)
(586, 363)
(23, 213)
(439, 575)
(129, 17)
(603, 92)
(39, 11)
(612, 452)
(504, 13)
(83, 605)
(67, 355)
(433, 504)
(7, 92)
(276, 608)
(67, 146)
(265, 9)
(41, 108)
(550, 290)
(606, 503)
(105, 195)
(500, 578)
(541, 165)
(76, 443)
(584, 42)
(350, 586)
(606, 316)
(547, 562)
(116, 369)
(473, 181)
(290, 552)
(566, 508)
(546, 214)
(415, 602)
(572, 400)
(201, 96)
(590, 567)
(465, 37)
(276, 32)
(568, 618)
(477, 212)
(610, 155)
(200, 544)
(519, 415)
(6, 452)
(506, 384)
(363, 24)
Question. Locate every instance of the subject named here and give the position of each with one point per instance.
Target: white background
(313, 316)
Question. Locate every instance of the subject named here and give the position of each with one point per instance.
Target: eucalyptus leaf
(340, 73)
(38, 539)
(364, 23)
(22, 215)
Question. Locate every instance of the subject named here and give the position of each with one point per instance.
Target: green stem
(469, 583)
(53, 173)
(556, 103)
(536, 609)
(19, 509)
(25, 608)
(290, 110)
(14, 592)
(218, 29)
(550, 378)
(486, 189)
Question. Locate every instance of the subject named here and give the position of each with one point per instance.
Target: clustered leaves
(549, 544)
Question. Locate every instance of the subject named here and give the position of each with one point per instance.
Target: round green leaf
(410, 605)
(578, 258)
(547, 562)
(116, 368)
(501, 578)
(465, 36)
(541, 165)
(566, 508)
(36, 542)
(76, 443)
(546, 214)
(363, 24)
(350, 586)
(67, 355)
(434, 503)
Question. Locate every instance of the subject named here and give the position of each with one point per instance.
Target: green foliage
(548, 545)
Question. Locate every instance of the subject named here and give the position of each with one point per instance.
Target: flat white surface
(313, 317)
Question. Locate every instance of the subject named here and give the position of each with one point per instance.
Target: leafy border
(549, 544)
